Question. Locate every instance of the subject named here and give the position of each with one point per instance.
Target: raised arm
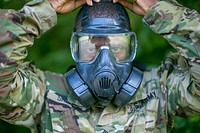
(180, 72)
(180, 27)
(22, 85)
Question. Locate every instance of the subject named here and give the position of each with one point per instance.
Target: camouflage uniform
(42, 102)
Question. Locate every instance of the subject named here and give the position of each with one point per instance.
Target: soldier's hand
(139, 6)
(65, 6)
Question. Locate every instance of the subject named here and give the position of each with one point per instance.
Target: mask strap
(129, 88)
(80, 89)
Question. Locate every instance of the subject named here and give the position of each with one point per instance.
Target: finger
(54, 3)
(137, 9)
(146, 4)
(70, 5)
(79, 3)
(133, 6)
(115, 1)
(89, 2)
(96, 0)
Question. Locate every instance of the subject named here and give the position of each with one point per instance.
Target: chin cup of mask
(87, 99)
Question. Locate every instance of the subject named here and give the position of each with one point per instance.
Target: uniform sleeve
(22, 86)
(180, 72)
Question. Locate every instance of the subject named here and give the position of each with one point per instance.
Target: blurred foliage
(51, 52)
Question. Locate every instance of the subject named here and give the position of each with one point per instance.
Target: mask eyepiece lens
(86, 47)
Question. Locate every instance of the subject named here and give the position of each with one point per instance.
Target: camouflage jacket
(42, 102)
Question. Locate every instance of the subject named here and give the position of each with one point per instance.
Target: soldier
(105, 92)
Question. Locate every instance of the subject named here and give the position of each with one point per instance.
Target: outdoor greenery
(51, 52)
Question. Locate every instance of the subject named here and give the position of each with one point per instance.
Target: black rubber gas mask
(103, 49)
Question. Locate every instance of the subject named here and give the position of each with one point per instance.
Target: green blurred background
(51, 53)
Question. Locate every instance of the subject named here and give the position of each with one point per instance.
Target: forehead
(112, 39)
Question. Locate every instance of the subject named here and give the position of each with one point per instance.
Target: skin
(139, 7)
(88, 47)
(66, 6)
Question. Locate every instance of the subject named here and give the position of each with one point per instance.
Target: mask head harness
(103, 48)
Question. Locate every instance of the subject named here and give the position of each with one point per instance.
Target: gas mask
(103, 51)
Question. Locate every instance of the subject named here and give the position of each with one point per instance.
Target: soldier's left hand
(137, 6)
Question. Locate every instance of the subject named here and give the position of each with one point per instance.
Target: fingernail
(91, 3)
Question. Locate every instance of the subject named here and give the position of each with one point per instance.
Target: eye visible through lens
(89, 46)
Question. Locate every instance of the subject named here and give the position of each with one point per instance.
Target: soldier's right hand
(65, 6)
